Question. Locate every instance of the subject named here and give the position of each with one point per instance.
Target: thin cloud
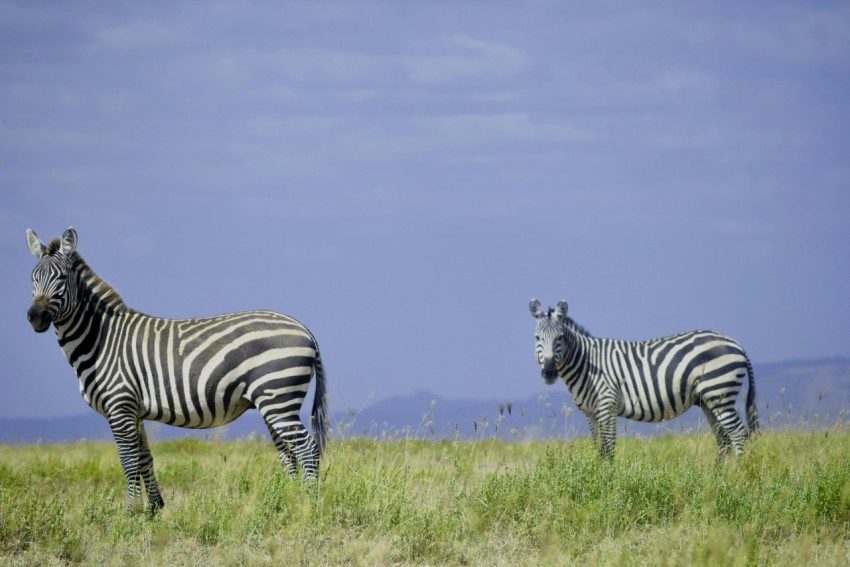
(140, 35)
(464, 58)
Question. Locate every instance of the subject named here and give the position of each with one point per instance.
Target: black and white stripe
(194, 373)
(651, 380)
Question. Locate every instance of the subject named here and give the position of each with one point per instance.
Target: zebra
(194, 373)
(653, 380)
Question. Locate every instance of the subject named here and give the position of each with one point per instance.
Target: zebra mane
(94, 286)
(572, 325)
(54, 246)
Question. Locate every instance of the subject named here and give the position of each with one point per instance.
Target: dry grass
(664, 501)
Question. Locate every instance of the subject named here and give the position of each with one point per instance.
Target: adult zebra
(651, 380)
(194, 373)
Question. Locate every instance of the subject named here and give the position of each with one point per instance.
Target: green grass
(663, 501)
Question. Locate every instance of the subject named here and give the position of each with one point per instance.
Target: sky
(403, 177)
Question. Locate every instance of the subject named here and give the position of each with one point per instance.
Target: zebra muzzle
(550, 371)
(39, 317)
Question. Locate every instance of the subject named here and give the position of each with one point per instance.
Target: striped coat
(194, 373)
(651, 380)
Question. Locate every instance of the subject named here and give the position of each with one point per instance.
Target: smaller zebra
(653, 380)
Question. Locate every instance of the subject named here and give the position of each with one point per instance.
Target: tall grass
(663, 501)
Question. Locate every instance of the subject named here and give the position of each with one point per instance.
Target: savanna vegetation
(412, 501)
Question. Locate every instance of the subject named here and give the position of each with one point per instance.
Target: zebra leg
(292, 438)
(723, 441)
(606, 423)
(126, 433)
(280, 404)
(155, 501)
(287, 459)
(732, 425)
(606, 420)
(726, 420)
(594, 427)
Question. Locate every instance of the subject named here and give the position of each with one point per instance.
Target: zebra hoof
(155, 506)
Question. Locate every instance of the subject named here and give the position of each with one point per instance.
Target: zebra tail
(319, 417)
(752, 413)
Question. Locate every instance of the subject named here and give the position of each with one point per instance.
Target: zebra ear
(35, 244)
(561, 309)
(535, 309)
(69, 241)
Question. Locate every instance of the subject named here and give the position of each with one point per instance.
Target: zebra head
(549, 341)
(54, 282)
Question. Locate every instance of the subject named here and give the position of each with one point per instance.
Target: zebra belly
(632, 408)
(174, 415)
(193, 407)
(239, 407)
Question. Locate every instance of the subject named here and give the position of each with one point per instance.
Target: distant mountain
(804, 393)
(795, 394)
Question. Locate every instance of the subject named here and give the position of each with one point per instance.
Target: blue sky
(405, 176)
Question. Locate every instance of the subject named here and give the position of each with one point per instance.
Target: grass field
(664, 501)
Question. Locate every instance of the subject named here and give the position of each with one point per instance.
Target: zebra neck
(95, 291)
(80, 331)
(577, 360)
